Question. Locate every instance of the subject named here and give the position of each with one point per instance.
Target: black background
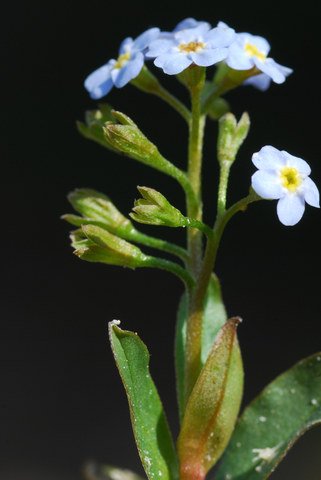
(61, 401)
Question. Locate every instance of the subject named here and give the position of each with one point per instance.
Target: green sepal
(146, 81)
(154, 209)
(95, 244)
(92, 128)
(94, 471)
(97, 209)
(213, 319)
(288, 407)
(193, 77)
(213, 406)
(151, 431)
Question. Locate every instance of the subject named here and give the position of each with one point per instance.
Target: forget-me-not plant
(209, 62)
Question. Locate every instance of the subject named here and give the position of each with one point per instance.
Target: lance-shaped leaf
(213, 319)
(151, 431)
(212, 407)
(270, 425)
(94, 471)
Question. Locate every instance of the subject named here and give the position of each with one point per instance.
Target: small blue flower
(283, 177)
(121, 71)
(250, 51)
(200, 45)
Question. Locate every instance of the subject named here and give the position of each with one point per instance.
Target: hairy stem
(172, 267)
(158, 244)
(171, 100)
(195, 151)
(194, 326)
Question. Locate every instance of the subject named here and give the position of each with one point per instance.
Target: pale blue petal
(290, 209)
(220, 36)
(261, 43)
(222, 25)
(159, 47)
(261, 82)
(311, 193)
(191, 34)
(267, 185)
(173, 63)
(126, 46)
(237, 58)
(130, 70)
(190, 23)
(208, 57)
(301, 165)
(143, 40)
(271, 68)
(99, 83)
(269, 158)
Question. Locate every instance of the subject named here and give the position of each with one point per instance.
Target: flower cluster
(191, 42)
(280, 175)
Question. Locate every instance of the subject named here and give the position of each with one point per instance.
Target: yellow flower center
(252, 51)
(121, 60)
(191, 47)
(290, 178)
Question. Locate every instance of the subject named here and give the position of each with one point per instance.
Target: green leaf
(214, 318)
(151, 431)
(93, 471)
(271, 424)
(212, 407)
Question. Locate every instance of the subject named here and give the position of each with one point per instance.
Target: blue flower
(250, 51)
(200, 45)
(121, 71)
(285, 178)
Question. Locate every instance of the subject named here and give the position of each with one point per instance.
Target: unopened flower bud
(97, 209)
(127, 138)
(231, 136)
(155, 209)
(92, 128)
(95, 244)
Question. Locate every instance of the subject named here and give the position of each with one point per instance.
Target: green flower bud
(97, 209)
(93, 126)
(231, 136)
(94, 244)
(127, 138)
(155, 209)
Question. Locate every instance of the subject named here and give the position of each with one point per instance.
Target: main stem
(195, 152)
(194, 236)
(194, 325)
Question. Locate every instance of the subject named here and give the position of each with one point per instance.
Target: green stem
(194, 325)
(172, 267)
(225, 167)
(158, 244)
(171, 100)
(195, 150)
(191, 222)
